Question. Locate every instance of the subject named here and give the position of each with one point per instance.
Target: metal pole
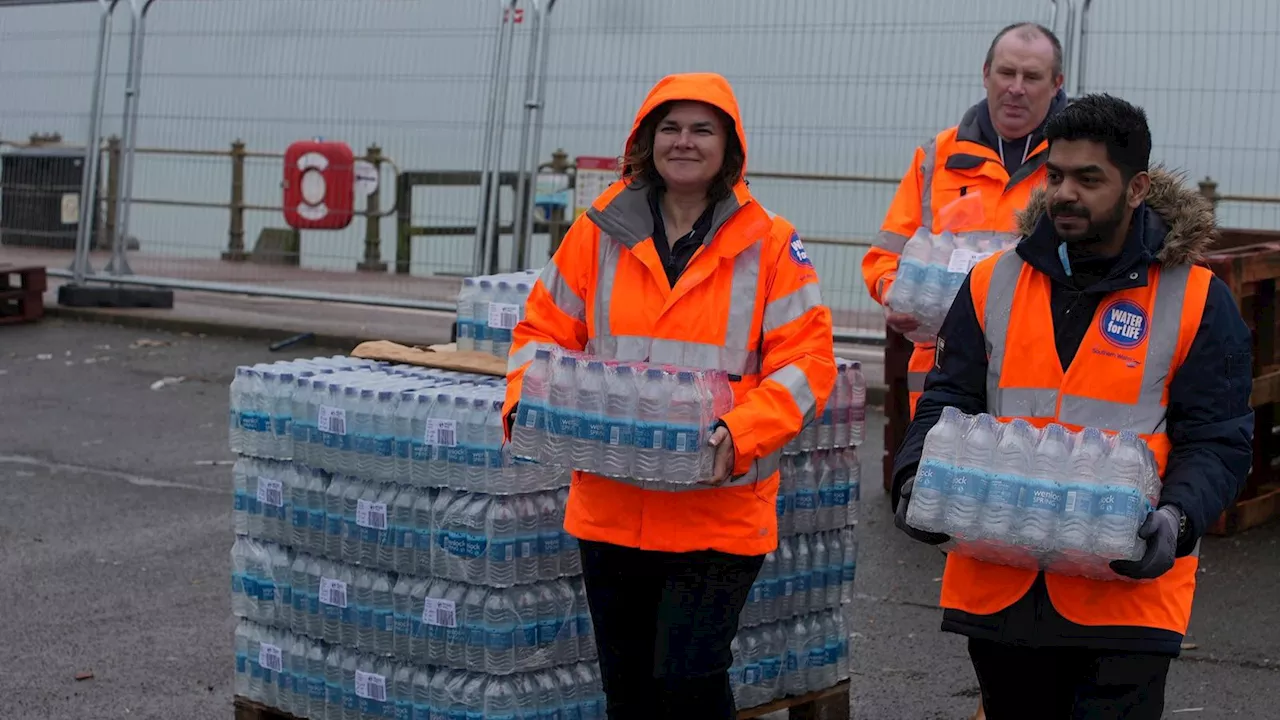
(535, 151)
(530, 105)
(80, 266)
(1082, 58)
(495, 169)
(486, 152)
(137, 33)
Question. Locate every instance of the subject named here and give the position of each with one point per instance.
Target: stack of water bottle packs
(489, 307)
(1048, 498)
(931, 271)
(391, 558)
(619, 419)
(795, 634)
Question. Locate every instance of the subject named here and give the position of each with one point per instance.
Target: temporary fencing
(458, 108)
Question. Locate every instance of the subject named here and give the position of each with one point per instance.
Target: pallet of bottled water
(794, 634)
(392, 555)
(620, 419)
(489, 308)
(932, 268)
(1049, 498)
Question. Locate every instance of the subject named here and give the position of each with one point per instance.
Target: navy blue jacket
(1209, 419)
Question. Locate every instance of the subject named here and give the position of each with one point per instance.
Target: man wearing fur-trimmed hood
(1099, 322)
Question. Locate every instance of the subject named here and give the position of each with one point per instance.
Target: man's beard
(1097, 232)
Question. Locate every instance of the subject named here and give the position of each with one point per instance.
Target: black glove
(900, 518)
(1160, 530)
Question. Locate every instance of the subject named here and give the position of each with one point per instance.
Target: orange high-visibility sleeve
(556, 310)
(904, 217)
(798, 366)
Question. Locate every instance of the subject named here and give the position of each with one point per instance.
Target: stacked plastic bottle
(931, 271)
(620, 419)
(391, 557)
(489, 306)
(1048, 498)
(795, 629)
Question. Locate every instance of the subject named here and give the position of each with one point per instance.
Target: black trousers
(663, 625)
(1068, 683)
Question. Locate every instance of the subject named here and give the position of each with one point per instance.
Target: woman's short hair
(640, 171)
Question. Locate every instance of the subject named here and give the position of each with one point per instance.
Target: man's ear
(1139, 187)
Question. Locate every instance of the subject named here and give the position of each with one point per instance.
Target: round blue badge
(1124, 323)
(799, 255)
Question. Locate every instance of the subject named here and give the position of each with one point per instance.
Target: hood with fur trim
(1188, 216)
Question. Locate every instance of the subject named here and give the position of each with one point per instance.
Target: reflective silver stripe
(1023, 402)
(564, 296)
(743, 294)
(1004, 281)
(796, 382)
(525, 354)
(761, 469)
(637, 348)
(606, 275)
(891, 241)
(791, 306)
(915, 381)
(926, 186)
(1147, 415)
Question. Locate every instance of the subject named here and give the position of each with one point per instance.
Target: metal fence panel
(1204, 72)
(835, 95)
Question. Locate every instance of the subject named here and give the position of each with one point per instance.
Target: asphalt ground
(115, 535)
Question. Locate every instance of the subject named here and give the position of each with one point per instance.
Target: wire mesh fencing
(834, 95)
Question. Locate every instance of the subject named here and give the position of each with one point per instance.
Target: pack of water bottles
(1049, 498)
(806, 574)
(818, 491)
(498, 540)
(843, 421)
(620, 419)
(309, 678)
(795, 656)
(932, 268)
(489, 307)
(382, 422)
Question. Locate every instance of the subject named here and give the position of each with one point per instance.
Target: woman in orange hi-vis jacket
(677, 264)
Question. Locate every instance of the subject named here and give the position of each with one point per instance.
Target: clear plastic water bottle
(650, 427)
(1044, 496)
(806, 495)
(1121, 506)
(1010, 468)
(857, 404)
(564, 424)
(466, 341)
(1077, 525)
(841, 403)
(903, 294)
(967, 491)
(621, 406)
(503, 316)
(531, 417)
(685, 437)
(927, 507)
(480, 316)
(588, 444)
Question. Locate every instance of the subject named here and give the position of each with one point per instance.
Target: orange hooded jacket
(748, 303)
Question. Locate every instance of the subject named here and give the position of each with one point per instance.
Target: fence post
(235, 233)
(373, 218)
(404, 224)
(556, 227)
(108, 234)
(1209, 189)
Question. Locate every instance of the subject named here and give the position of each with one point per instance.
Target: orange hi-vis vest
(748, 303)
(949, 166)
(1117, 381)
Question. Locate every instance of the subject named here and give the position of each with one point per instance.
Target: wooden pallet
(21, 293)
(1249, 263)
(829, 704)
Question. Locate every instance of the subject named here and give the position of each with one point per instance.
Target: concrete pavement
(115, 529)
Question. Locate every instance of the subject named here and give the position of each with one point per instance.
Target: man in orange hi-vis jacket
(997, 152)
(676, 263)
